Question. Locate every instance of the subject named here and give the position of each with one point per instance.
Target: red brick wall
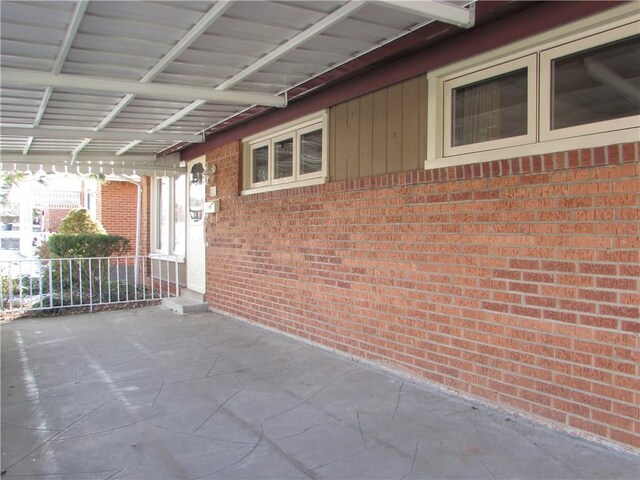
(53, 218)
(117, 210)
(513, 281)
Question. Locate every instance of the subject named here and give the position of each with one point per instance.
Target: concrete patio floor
(148, 394)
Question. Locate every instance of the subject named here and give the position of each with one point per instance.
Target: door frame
(200, 284)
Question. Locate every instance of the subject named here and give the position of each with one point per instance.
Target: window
(168, 215)
(179, 217)
(310, 157)
(584, 83)
(290, 156)
(491, 108)
(592, 84)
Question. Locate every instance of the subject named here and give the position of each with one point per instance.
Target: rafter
(436, 10)
(317, 28)
(185, 42)
(75, 134)
(70, 34)
(177, 92)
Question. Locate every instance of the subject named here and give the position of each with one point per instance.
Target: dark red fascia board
(533, 20)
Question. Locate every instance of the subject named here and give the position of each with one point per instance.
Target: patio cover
(106, 86)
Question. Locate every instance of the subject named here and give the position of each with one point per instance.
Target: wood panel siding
(382, 132)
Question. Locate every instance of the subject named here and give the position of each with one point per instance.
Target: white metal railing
(60, 283)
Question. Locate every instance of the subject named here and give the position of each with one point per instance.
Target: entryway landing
(189, 301)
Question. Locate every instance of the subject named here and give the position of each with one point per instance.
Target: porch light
(197, 173)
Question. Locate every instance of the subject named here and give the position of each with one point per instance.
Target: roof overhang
(103, 85)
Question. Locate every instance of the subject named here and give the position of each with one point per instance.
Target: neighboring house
(467, 213)
(116, 209)
(43, 206)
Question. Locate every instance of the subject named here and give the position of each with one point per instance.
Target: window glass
(260, 161)
(311, 152)
(596, 85)
(490, 109)
(179, 215)
(283, 159)
(163, 193)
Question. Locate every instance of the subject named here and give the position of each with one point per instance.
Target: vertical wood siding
(382, 132)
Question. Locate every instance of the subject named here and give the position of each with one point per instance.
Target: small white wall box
(212, 206)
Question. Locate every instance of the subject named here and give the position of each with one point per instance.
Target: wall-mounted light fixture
(210, 170)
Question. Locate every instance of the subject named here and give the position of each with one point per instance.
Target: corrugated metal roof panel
(128, 40)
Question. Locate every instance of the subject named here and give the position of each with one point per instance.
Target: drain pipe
(138, 183)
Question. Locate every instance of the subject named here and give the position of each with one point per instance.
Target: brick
(588, 426)
(598, 268)
(620, 311)
(617, 283)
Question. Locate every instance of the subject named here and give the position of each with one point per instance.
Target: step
(192, 294)
(183, 305)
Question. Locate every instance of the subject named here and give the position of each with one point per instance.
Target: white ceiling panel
(240, 46)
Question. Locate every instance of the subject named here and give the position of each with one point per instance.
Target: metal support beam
(316, 29)
(304, 36)
(94, 162)
(69, 36)
(185, 42)
(164, 91)
(124, 135)
(436, 10)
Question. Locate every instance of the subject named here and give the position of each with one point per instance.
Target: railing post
(153, 289)
(20, 282)
(51, 284)
(126, 276)
(90, 286)
(175, 262)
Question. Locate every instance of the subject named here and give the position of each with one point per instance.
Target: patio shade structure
(105, 86)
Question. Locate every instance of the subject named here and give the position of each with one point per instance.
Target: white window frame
(154, 224)
(294, 130)
(272, 153)
(546, 84)
(254, 147)
(449, 85)
(600, 28)
(299, 134)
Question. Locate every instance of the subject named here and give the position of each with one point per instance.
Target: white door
(196, 274)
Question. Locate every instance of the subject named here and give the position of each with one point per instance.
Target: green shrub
(80, 221)
(87, 245)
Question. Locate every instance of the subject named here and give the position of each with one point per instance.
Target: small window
(179, 215)
(310, 151)
(283, 159)
(168, 215)
(591, 85)
(260, 165)
(491, 108)
(162, 213)
(293, 155)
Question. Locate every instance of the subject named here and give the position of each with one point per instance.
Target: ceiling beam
(185, 42)
(304, 36)
(69, 36)
(436, 10)
(176, 92)
(94, 162)
(316, 29)
(75, 134)
(93, 157)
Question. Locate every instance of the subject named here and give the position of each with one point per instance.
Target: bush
(79, 221)
(87, 245)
